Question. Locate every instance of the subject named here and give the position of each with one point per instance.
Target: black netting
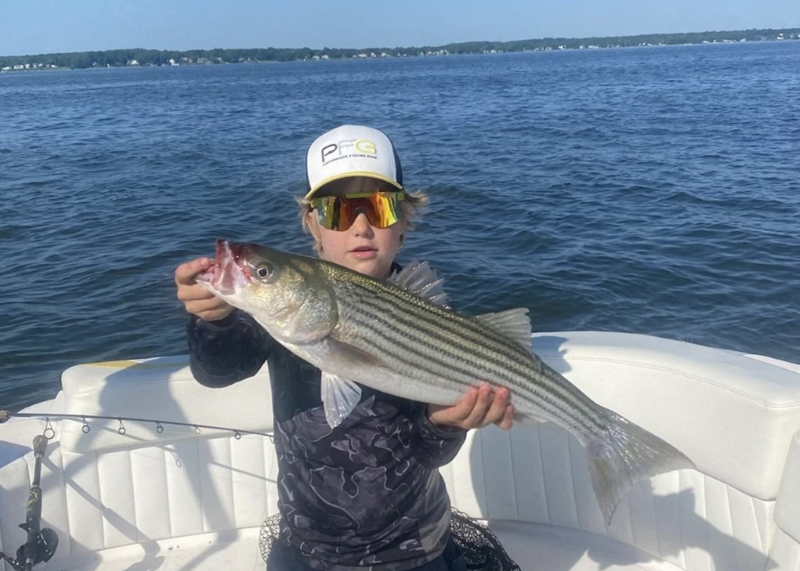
(481, 548)
(270, 531)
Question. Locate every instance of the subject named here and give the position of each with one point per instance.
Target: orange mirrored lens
(382, 209)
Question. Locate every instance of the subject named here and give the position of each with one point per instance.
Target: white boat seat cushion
(539, 475)
(787, 509)
(727, 411)
(131, 497)
(162, 388)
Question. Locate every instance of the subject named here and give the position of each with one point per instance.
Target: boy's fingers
(480, 407)
(187, 293)
(215, 314)
(498, 407)
(476, 416)
(454, 415)
(185, 273)
(465, 406)
(457, 413)
(203, 305)
(508, 418)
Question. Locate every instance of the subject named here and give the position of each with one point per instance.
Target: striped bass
(396, 336)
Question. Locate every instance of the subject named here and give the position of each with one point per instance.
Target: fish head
(287, 294)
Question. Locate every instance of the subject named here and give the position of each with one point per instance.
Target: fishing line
(41, 543)
(49, 431)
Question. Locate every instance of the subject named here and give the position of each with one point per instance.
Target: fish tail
(624, 455)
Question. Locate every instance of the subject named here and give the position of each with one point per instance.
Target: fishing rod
(41, 543)
(49, 431)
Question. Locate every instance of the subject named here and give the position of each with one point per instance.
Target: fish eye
(264, 271)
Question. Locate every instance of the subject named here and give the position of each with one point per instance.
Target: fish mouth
(229, 273)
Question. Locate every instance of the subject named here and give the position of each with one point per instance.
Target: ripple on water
(628, 190)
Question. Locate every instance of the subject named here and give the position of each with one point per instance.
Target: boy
(366, 494)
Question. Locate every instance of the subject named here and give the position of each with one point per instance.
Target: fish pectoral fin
(513, 323)
(348, 356)
(418, 278)
(339, 397)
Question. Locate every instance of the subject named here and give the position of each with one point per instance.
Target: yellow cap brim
(367, 174)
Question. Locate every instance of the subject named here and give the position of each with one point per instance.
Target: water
(648, 190)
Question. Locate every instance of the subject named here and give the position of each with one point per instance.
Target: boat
(141, 495)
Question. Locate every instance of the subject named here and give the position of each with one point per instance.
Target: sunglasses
(382, 209)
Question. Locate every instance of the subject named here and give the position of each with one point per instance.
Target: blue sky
(42, 26)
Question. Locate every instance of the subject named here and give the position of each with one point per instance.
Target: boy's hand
(480, 407)
(196, 299)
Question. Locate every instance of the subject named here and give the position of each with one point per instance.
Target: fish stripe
(466, 328)
(499, 372)
(386, 348)
(476, 332)
(521, 367)
(471, 328)
(448, 361)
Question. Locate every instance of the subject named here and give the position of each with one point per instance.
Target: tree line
(145, 57)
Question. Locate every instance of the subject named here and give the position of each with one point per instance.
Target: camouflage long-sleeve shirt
(366, 493)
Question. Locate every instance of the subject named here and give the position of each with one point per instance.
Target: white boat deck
(178, 500)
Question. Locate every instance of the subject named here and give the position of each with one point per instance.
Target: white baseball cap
(352, 150)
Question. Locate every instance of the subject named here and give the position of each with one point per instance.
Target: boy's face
(362, 247)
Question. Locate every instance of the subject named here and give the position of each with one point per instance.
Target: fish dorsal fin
(339, 397)
(513, 323)
(418, 278)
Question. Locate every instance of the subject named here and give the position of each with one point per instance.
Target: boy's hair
(413, 204)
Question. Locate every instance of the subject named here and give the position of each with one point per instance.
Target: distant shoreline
(158, 58)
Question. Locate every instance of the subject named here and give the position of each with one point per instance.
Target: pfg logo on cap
(351, 150)
(345, 147)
